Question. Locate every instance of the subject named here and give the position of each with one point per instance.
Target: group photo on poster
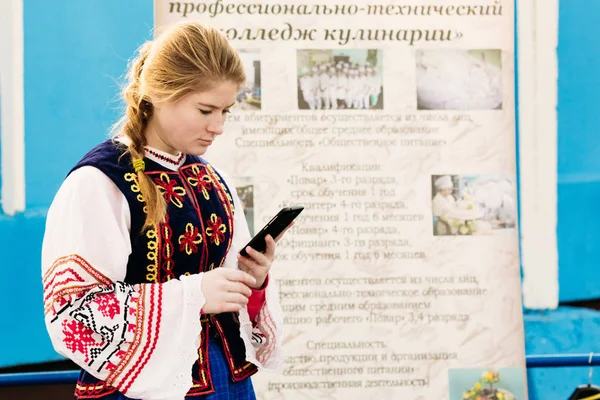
(340, 79)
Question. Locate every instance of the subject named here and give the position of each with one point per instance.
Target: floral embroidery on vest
(190, 240)
(172, 193)
(216, 229)
(201, 180)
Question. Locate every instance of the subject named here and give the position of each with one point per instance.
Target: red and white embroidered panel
(108, 328)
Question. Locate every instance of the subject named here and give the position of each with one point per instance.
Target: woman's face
(191, 124)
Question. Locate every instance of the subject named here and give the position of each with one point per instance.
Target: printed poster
(393, 124)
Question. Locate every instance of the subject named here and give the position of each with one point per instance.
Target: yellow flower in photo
(490, 377)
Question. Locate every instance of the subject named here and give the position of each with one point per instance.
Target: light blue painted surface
(75, 52)
(578, 150)
(0, 154)
(569, 330)
(566, 330)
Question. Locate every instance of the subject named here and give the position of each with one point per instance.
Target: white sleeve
(142, 339)
(266, 353)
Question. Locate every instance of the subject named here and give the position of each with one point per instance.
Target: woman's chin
(196, 149)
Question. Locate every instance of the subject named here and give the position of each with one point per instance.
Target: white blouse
(142, 339)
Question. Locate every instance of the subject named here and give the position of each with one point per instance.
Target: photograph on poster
(249, 97)
(335, 79)
(473, 205)
(454, 79)
(486, 384)
(245, 191)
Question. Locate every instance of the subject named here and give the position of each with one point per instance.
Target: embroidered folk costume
(125, 303)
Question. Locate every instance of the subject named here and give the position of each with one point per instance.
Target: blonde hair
(184, 58)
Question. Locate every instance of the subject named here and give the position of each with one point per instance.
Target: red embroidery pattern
(201, 180)
(79, 338)
(50, 276)
(165, 158)
(222, 190)
(168, 187)
(63, 280)
(228, 206)
(190, 240)
(265, 320)
(136, 310)
(109, 324)
(102, 339)
(108, 305)
(93, 391)
(200, 382)
(167, 250)
(216, 229)
(152, 337)
(54, 290)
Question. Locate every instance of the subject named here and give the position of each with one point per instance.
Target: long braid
(137, 113)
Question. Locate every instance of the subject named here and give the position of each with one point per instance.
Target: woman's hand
(226, 290)
(259, 264)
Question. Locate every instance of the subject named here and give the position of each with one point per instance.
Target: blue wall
(563, 331)
(0, 153)
(573, 330)
(75, 53)
(578, 150)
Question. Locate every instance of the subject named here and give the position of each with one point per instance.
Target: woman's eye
(226, 111)
(204, 112)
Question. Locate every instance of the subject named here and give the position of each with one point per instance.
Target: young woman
(144, 287)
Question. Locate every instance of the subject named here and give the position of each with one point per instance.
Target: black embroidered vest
(195, 238)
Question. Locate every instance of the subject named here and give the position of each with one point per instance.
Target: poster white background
(380, 299)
